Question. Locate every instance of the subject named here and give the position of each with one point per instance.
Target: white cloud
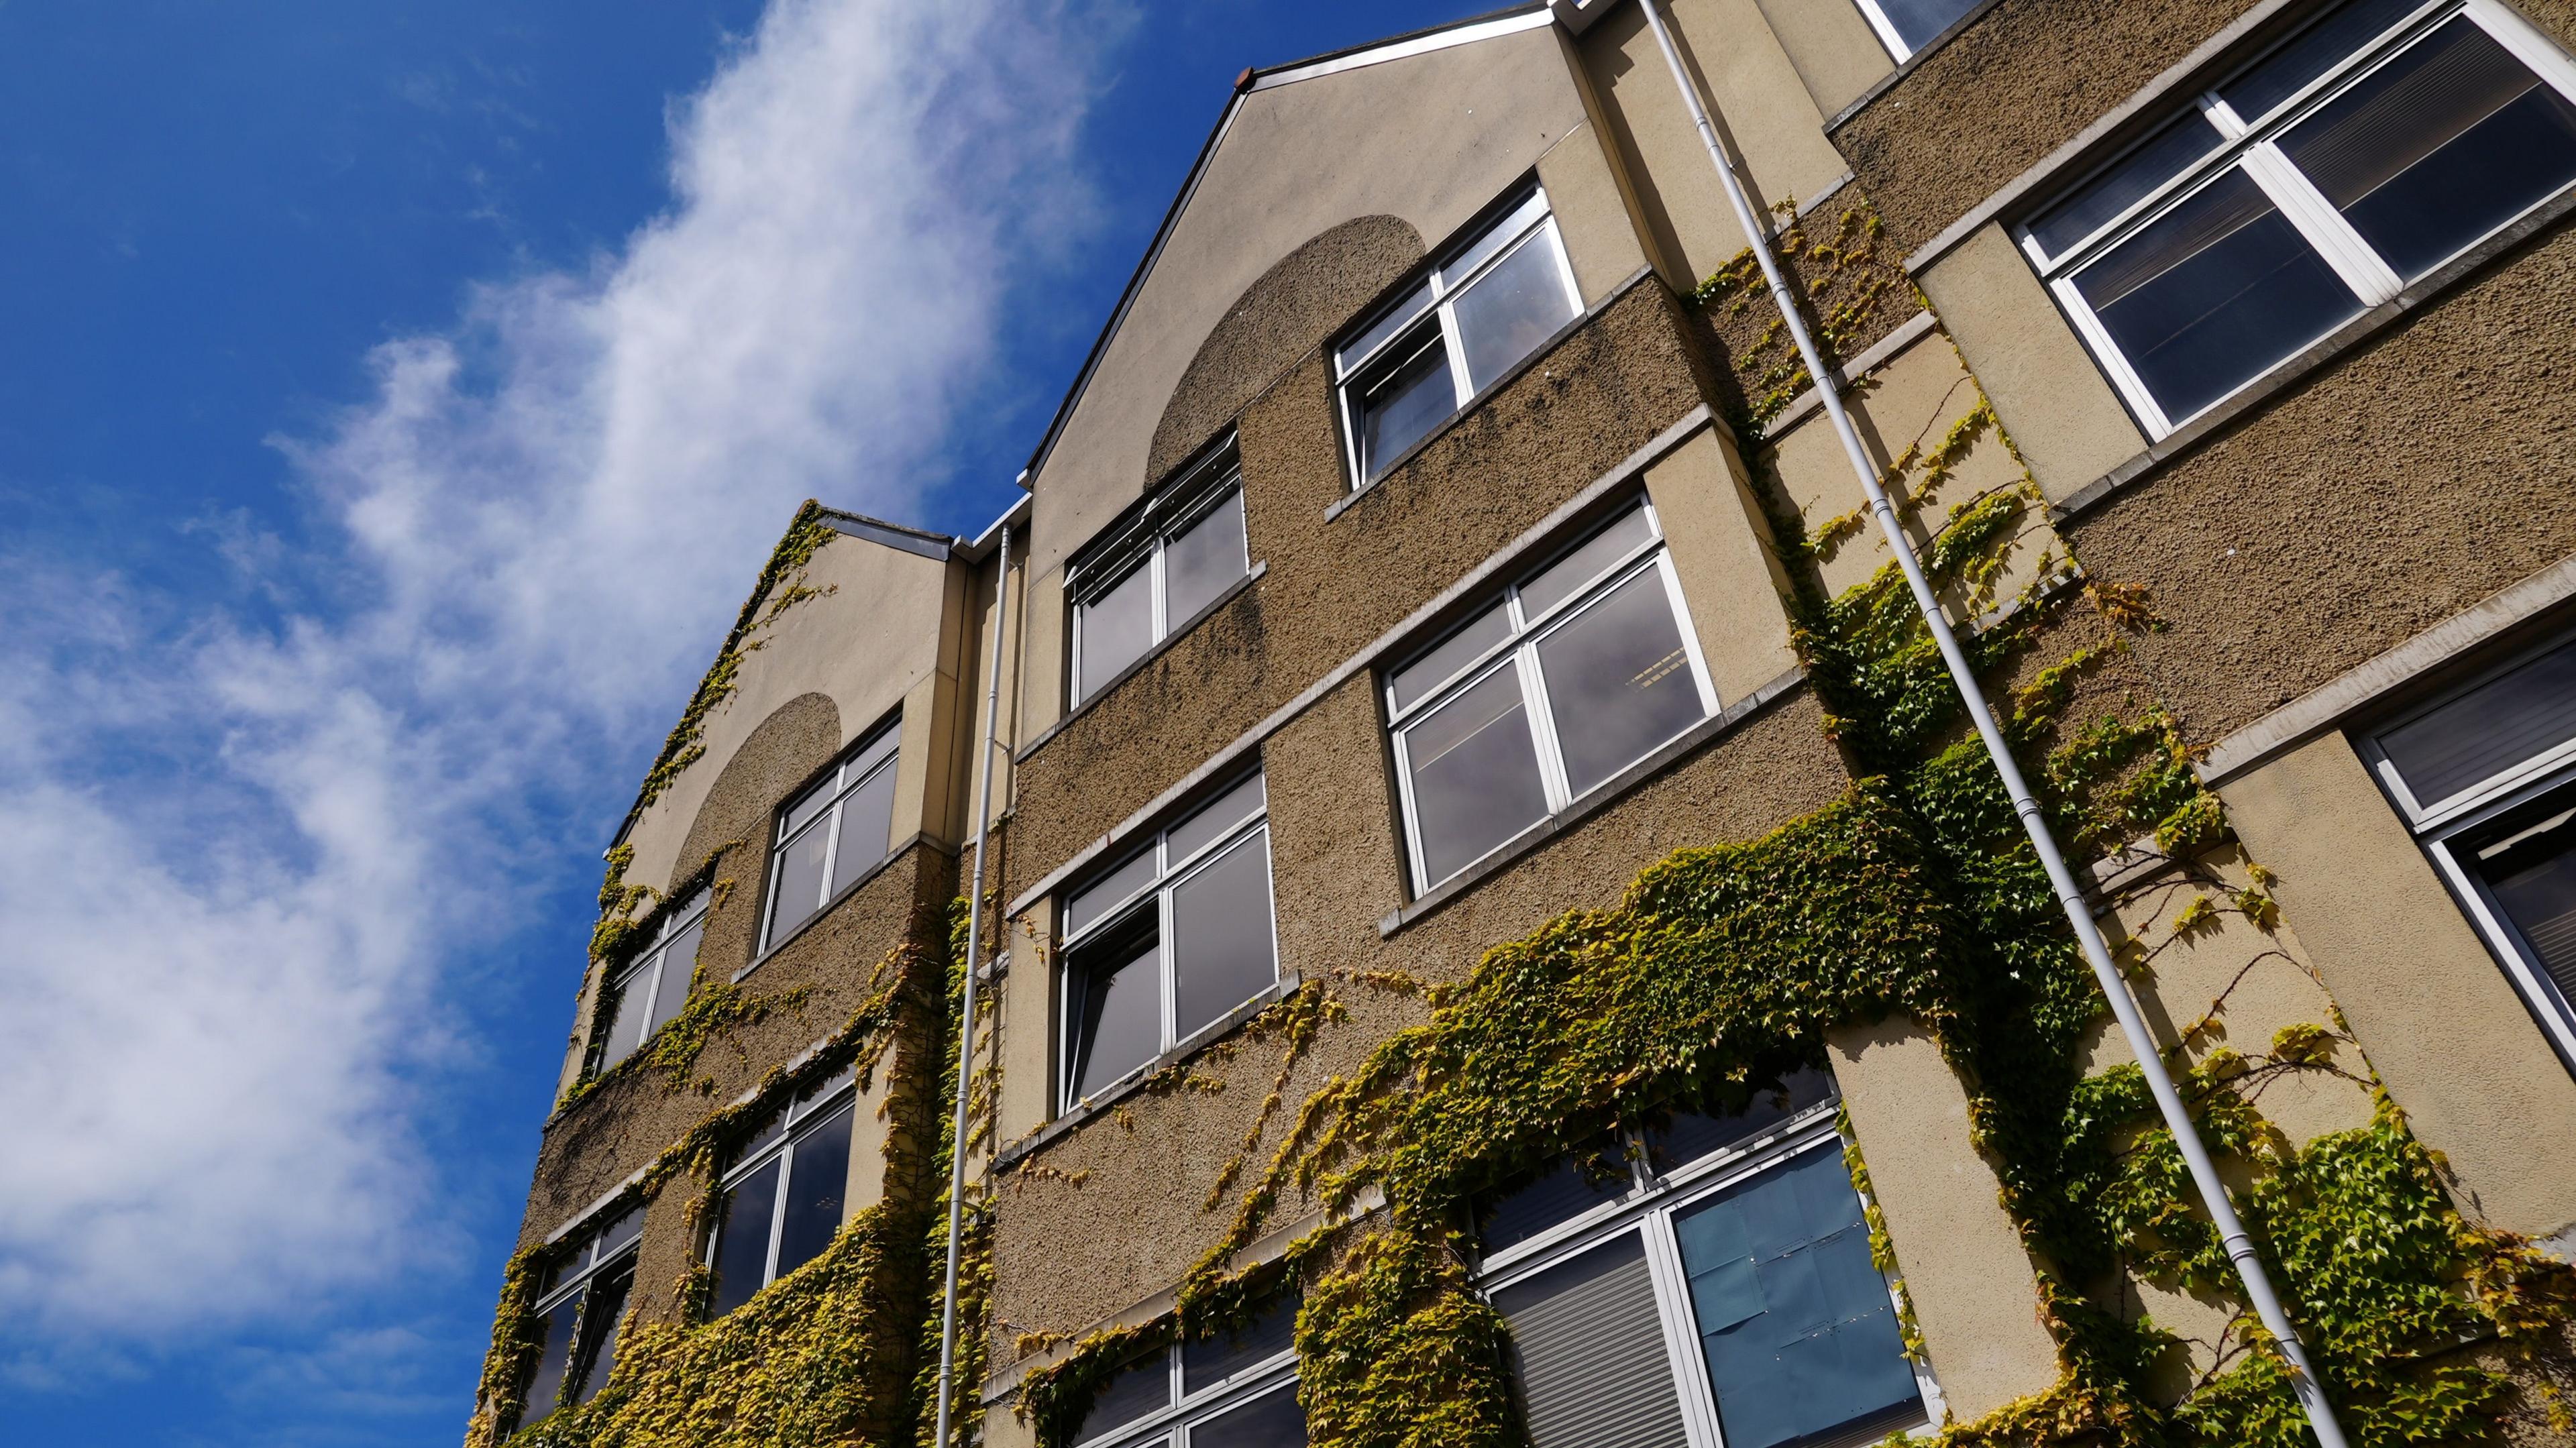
(243, 858)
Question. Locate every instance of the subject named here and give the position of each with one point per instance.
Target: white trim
(1404, 49)
(1897, 49)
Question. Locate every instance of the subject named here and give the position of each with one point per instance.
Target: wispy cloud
(246, 857)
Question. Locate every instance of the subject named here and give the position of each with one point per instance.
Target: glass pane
(1505, 314)
(2530, 864)
(1271, 1421)
(880, 748)
(1562, 1191)
(2165, 155)
(620, 1232)
(1097, 901)
(1212, 822)
(800, 882)
(1495, 237)
(1567, 576)
(598, 1356)
(554, 1359)
(771, 1127)
(626, 1014)
(1417, 680)
(1690, 1135)
(1402, 399)
(806, 1099)
(809, 804)
(1415, 303)
(2438, 147)
(1204, 561)
(1474, 772)
(679, 964)
(1222, 953)
(2261, 90)
(1117, 629)
(1135, 1392)
(1618, 681)
(742, 1238)
(867, 827)
(2488, 730)
(1120, 997)
(1916, 22)
(2211, 293)
(1588, 1353)
(1206, 1362)
(818, 1189)
(1795, 1323)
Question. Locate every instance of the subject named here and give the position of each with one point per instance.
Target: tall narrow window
(1705, 1283)
(1237, 1389)
(1906, 26)
(1454, 334)
(653, 987)
(786, 1193)
(1169, 941)
(830, 835)
(2487, 777)
(579, 1302)
(1156, 572)
(1579, 669)
(2354, 158)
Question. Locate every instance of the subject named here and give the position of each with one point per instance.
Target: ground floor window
(1234, 1390)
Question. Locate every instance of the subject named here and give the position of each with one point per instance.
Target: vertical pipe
(2079, 912)
(966, 1026)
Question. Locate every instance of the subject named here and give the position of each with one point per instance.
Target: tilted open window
(580, 1298)
(838, 829)
(1157, 570)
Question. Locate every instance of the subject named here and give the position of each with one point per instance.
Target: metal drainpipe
(2142, 1044)
(966, 1026)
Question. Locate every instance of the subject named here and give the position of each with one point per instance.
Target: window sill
(844, 893)
(1601, 797)
(1486, 394)
(1188, 626)
(2298, 370)
(1091, 1107)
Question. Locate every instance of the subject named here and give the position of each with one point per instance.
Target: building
(1498, 925)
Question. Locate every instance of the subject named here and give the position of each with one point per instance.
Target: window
(579, 1301)
(832, 834)
(1232, 1391)
(785, 1195)
(1906, 26)
(1706, 1284)
(1156, 573)
(2487, 777)
(1454, 334)
(1580, 669)
(1169, 941)
(2356, 157)
(655, 985)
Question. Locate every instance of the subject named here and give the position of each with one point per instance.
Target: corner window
(1234, 1390)
(654, 986)
(2354, 158)
(1906, 26)
(832, 834)
(1168, 942)
(579, 1301)
(1707, 1283)
(1156, 573)
(2486, 776)
(786, 1193)
(1454, 334)
(1579, 669)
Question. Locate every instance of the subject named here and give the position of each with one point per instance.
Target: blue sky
(398, 398)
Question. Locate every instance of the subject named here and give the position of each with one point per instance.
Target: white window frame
(599, 1264)
(1897, 49)
(1535, 222)
(845, 781)
(1648, 1207)
(655, 958)
(2440, 826)
(1184, 1410)
(1155, 894)
(1528, 632)
(801, 1116)
(2250, 145)
(1078, 582)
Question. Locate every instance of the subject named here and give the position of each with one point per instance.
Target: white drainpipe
(2079, 912)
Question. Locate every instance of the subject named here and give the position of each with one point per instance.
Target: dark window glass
(818, 1184)
(1618, 681)
(2529, 865)
(1690, 1135)
(554, 1358)
(1402, 398)
(1475, 773)
(1557, 1193)
(1137, 1391)
(1221, 948)
(1918, 22)
(867, 821)
(1417, 680)
(2438, 147)
(599, 1326)
(2212, 293)
(1117, 629)
(1588, 1353)
(1505, 314)
(2488, 730)
(1202, 561)
(1272, 1420)
(1795, 1323)
(742, 1238)
(1120, 1024)
(1205, 1362)
(2261, 90)
(2165, 155)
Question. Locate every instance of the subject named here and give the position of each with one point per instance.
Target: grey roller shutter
(1588, 1353)
(2488, 730)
